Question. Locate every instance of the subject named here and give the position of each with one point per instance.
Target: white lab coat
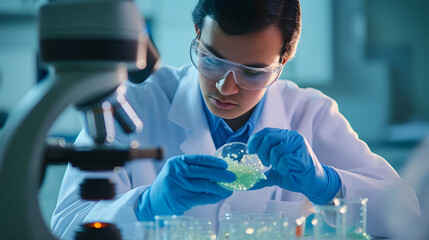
(170, 106)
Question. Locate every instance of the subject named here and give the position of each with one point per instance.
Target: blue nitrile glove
(185, 181)
(294, 165)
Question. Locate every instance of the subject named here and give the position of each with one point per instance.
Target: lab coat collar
(273, 112)
(187, 111)
(186, 108)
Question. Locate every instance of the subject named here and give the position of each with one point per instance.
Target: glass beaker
(203, 229)
(173, 227)
(356, 217)
(145, 230)
(329, 221)
(268, 225)
(236, 226)
(247, 167)
(287, 225)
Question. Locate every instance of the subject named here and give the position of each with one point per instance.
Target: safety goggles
(245, 77)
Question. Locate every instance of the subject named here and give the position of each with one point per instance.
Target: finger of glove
(255, 140)
(187, 188)
(268, 142)
(257, 143)
(294, 140)
(205, 160)
(291, 154)
(283, 165)
(272, 179)
(297, 162)
(204, 186)
(214, 174)
(281, 157)
(276, 156)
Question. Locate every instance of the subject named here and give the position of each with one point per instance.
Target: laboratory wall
(371, 56)
(399, 35)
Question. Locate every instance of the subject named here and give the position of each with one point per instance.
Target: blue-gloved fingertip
(271, 180)
(223, 164)
(205, 160)
(251, 150)
(231, 177)
(253, 143)
(265, 163)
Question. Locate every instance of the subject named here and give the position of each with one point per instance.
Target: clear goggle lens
(217, 68)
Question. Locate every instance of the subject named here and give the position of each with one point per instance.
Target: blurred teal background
(371, 56)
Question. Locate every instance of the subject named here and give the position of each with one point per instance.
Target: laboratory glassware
(268, 225)
(329, 221)
(145, 230)
(203, 229)
(356, 217)
(173, 227)
(247, 167)
(235, 226)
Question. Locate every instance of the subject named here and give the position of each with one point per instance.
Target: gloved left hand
(184, 182)
(294, 165)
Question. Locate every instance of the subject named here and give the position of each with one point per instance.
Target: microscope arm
(23, 142)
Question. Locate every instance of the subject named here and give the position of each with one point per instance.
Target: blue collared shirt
(222, 133)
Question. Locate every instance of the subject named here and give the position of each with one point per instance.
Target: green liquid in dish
(353, 235)
(247, 175)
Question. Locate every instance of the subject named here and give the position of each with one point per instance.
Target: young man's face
(224, 98)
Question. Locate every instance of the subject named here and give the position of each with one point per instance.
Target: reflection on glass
(260, 226)
(356, 217)
(329, 221)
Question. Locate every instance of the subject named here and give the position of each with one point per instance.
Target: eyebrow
(217, 54)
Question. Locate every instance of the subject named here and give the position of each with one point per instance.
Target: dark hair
(236, 17)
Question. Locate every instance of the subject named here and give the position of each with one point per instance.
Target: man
(231, 93)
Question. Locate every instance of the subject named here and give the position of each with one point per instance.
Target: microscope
(90, 44)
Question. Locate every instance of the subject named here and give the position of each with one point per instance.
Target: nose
(227, 85)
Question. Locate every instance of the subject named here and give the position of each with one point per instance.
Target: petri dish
(247, 167)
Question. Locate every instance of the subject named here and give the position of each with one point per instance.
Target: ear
(284, 60)
(197, 30)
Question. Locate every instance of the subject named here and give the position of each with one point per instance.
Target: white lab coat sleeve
(71, 211)
(362, 173)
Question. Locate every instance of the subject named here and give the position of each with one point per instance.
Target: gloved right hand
(295, 166)
(185, 181)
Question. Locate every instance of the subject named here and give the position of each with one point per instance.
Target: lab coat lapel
(199, 141)
(187, 111)
(273, 112)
